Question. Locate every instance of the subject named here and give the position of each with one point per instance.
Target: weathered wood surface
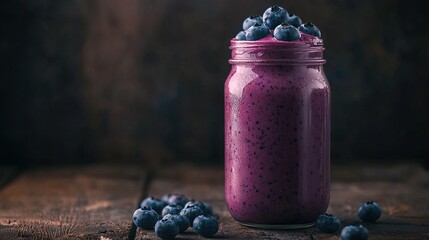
(97, 202)
(402, 192)
(70, 203)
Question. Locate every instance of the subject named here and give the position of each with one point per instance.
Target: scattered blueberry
(294, 20)
(180, 220)
(369, 212)
(256, 32)
(274, 16)
(311, 29)
(191, 212)
(250, 21)
(328, 223)
(145, 218)
(207, 209)
(166, 229)
(171, 209)
(178, 199)
(153, 203)
(286, 32)
(205, 226)
(241, 36)
(354, 233)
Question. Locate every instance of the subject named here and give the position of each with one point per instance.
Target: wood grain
(96, 202)
(71, 203)
(401, 191)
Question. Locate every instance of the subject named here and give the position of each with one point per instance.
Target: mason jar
(277, 133)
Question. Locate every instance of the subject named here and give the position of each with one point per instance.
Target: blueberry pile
(174, 214)
(277, 21)
(368, 212)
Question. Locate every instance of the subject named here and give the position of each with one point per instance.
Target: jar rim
(277, 62)
(307, 51)
(305, 40)
(279, 44)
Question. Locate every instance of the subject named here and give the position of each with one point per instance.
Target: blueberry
(250, 21)
(293, 20)
(286, 32)
(205, 226)
(178, 199)
(153, 203)
(165, 198)
(166, 229)
(145, 218)
(241, 36)
(171, 209)
(328, 223)
(191, 212)
(369, 212)
(207, 209)
(180, 220)
(256, 32)
(311, 29)
(274, 16)
(354, 233)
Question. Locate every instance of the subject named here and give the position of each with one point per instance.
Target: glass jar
(277, 133)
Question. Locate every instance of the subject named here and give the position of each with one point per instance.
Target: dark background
(142, 81)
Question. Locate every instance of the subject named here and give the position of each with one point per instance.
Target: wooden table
(96, 202)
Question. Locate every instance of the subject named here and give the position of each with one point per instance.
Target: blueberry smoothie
(277, 131)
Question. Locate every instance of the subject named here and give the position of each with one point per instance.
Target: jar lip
(277, 62)
(306, 51)
(297, 47)
(305, 42)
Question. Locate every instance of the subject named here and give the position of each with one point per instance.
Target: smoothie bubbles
(277, 123)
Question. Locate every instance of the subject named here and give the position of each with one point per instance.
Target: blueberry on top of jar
(256, 32)
(274, 16)
(293, 20)
(286, 32)
(310, 28)
(250, 21)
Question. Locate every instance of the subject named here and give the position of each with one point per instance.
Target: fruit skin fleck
(286, 32)
(153, 203)
(293, 20)
(328, 223)
(369, 212)
(180, 220)
(352, 232)
(274, 16)
(166, 229)
(250, 21)
(191, 212)
(205, 226)
(241, 36)
(256, 32)
(145, 218)
(171, 209)
(311, 29)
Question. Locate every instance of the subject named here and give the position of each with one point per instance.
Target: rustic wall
(142, 80)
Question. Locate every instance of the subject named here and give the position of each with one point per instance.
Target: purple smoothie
(277, 132)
